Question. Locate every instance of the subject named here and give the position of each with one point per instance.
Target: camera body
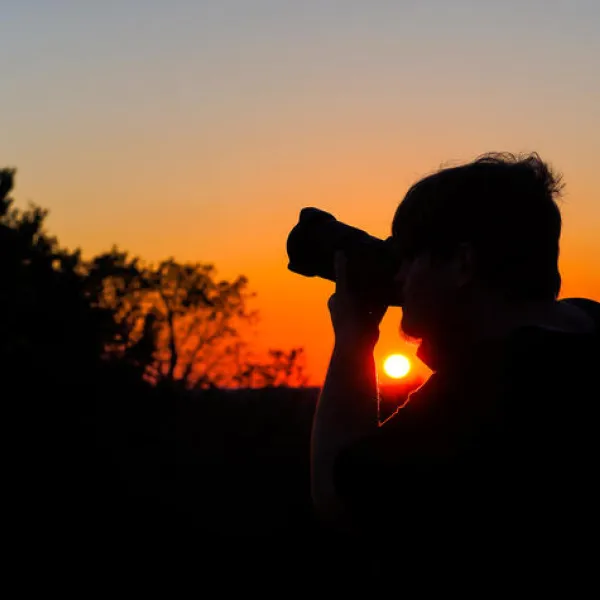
(314, 240)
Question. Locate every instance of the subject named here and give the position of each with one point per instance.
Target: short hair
(505, 206)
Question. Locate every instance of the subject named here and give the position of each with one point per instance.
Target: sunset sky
(199, 129)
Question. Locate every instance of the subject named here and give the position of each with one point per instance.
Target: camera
(371, 263)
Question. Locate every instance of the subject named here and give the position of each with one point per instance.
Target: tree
(51, 341)
(280, 368)
(179, 324)
(174, 322)
(48, 326)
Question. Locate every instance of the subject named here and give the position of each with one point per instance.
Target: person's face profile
(429, 288)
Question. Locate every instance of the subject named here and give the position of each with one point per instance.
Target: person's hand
(353, 320)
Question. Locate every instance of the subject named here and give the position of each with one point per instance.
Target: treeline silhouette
(143, 426)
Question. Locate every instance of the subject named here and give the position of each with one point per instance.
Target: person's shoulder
(587, 304)
(553, 364)
(576, 325)
(591, 308)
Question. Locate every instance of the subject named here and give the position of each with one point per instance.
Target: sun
(396, 366)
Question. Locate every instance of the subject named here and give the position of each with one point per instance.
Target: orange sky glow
(204, 142)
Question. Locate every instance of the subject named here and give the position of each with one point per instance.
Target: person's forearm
(346, 411)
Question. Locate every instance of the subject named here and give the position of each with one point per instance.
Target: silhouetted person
(495, 455)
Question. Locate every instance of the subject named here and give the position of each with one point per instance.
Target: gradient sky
(200, 129)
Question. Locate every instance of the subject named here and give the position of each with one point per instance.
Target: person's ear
(464, 264)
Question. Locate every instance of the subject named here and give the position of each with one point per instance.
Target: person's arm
(347, 407)
(346, 412)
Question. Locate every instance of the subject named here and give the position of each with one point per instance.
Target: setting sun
(396, 366)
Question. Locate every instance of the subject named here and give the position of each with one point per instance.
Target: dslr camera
(371, 262)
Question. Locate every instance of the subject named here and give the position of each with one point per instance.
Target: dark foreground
(152, 481)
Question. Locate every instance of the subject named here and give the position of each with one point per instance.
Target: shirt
(502, 447)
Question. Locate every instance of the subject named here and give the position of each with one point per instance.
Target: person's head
(480, 235)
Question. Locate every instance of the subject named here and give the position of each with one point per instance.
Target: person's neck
(489, 325)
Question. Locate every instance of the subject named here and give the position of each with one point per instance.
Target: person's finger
(340, 262)
(331, 303)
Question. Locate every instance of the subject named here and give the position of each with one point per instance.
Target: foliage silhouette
(174, 322)
(48, 321)
(178, 324)
(128, 446)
